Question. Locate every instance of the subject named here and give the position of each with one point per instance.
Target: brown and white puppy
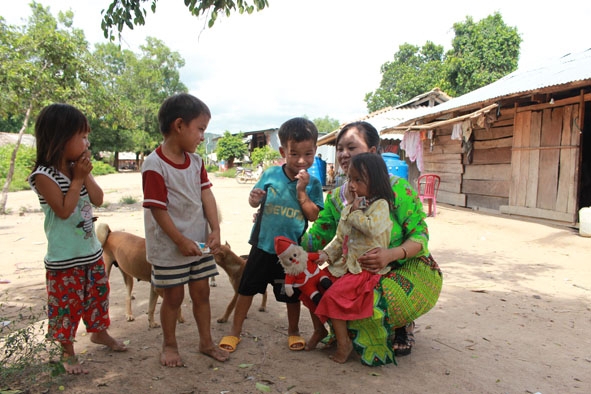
(234, 266)
(128, 252)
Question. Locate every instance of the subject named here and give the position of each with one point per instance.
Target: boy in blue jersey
(288, 197)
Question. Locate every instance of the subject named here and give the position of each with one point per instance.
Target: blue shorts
(261, 269)
(163, 277)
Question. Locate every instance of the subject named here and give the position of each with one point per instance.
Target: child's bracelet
(405, 252)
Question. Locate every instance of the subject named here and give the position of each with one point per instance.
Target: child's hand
(213, 242)
(358, 203)
(188, 247)
(255, 197)
(82, 167)
(322, 257)
(255, 215)
(303, 178)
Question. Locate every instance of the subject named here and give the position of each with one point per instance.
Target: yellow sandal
(296, 343)
(229, 343)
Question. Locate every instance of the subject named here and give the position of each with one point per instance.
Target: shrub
(25, 354)
(128, 200)
(102, 168)
(211, 168)
(229, 173)
(25, 161)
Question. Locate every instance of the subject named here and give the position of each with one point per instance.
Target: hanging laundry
(466, 129)
(456, 132)
(413, 146)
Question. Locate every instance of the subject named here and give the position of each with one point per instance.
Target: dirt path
(514, 315)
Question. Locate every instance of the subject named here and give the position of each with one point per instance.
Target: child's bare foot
(72, 365)
(214, 352)
(170, 357)
(103, 338)
(343, 352)
(317, 336)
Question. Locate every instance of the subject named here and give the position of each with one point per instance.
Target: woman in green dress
(412, 286)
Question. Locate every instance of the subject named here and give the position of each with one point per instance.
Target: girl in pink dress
(364, 225)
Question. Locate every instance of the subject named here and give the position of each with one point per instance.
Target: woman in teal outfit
(412, 286)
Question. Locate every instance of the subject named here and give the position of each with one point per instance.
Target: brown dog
(128, 252)
(234, 266)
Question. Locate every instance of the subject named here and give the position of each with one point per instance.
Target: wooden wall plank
(494, 133)
(486, 188)
(442, 158)
(436, 168)
(498, 143)
(457, 199)
(533, 179)
(445, 139)
(455, 147)
(493, 172)
(565, 175)
(450, 178)
(516, 156)
(451, 187)
(492, 156)
(548, 168)
(576, 123)
(524, 162)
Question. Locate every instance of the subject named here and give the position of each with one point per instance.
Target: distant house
(516, 146)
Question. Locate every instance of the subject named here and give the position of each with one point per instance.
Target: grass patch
(129, 200)
(25, 353)
(229, 173)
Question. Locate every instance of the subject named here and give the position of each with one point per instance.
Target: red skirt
(349, 298)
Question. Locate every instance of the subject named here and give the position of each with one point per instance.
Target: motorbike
(244, 175)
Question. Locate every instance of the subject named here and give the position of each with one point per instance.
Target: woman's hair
(182, 105)
(373, 169)
(370, 134)
(54, 127)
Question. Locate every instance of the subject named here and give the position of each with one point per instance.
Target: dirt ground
(514, 315)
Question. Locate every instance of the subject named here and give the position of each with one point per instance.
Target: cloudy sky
(315, 57)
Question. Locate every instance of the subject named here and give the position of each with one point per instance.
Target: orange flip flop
(296, 343)
(229, 343)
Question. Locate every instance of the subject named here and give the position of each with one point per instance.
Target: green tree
(130, 13)
(264, 155)
(413, 71)
(481, 53)
(139, 84)
(42, 62)
(113, 125)
(231, 147)
(326, 124)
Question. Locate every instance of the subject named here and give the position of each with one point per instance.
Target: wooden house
(515, 146)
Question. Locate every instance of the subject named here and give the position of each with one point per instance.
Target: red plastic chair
(428, 186)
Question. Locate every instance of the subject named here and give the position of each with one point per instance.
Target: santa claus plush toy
(301, 271)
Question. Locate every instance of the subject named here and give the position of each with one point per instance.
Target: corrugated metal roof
(394, 117)
(566, 69)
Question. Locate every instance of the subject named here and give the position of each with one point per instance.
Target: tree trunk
(116, 161)
(6, 187)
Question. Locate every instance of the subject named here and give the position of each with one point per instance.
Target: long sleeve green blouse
(408, 218)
